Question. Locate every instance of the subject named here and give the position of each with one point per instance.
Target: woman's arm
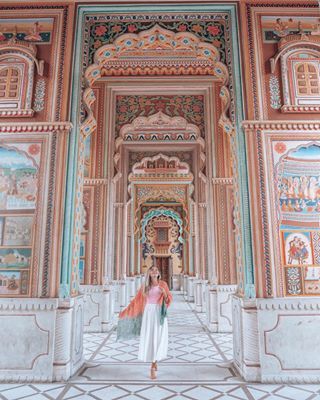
(135, 306)
(166, 293)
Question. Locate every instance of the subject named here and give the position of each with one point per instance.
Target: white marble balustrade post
(204, 284)
(131, 288)
(185, 285)
(176, 282)
(181, 283)
(116, 295)
(191, 280)
(123, 295)
(138, 279)
(107, 309)
(197, 295)
(212, 318)
(127, 290)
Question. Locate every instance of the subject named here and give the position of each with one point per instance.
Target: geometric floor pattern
(198, 367)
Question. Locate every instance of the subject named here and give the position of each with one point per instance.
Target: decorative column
(225, 258)
(202, 217)
(119, 261)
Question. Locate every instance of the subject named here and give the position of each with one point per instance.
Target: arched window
(307, 79)
(300, 73)
(17, 69)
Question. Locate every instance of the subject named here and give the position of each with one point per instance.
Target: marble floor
(198, 367)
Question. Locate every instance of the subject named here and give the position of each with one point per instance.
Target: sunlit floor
(198, 368)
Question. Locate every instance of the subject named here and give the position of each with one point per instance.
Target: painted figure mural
(298, 198)
(18, 198)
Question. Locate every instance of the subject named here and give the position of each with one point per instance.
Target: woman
(146, 315)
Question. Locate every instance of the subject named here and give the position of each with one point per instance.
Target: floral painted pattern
(210, 31)
(189, 107)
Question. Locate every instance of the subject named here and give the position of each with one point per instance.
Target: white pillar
(123, 295)
(212, 319)
(138, 279)
(198, 295)
(115, 285)
(191, 280)
(62, 351)
(131, 288)
(176, 282)
(181, 283)
(185, 285)
(204, 284)
(107, 309)
(68, 350)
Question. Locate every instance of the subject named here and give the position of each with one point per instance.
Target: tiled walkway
(197, 368)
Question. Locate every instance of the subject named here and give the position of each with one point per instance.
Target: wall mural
(28, 30)
(189, 107)
(274, 28)
(209, 28)
(298, 198)
(18, 197)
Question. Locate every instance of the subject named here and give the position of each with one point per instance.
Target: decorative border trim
(16, 113)
(222, 181)
(95, 181)
(282, 125)
(28, 305)
(304, 109)
(34, 127)
(288, 304)
(226, 289)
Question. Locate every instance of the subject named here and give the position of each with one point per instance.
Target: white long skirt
(153, 337)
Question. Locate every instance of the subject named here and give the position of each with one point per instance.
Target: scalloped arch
(156, 52)
(157, 213)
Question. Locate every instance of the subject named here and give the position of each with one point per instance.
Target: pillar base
(245, 339)
(98, 308)
(219, 307)
(68, 352)
(46, 339)
(190, 289)
(276, 340)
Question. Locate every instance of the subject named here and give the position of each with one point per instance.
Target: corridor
(198, 368)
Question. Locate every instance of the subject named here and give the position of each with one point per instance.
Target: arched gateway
(184, 136)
